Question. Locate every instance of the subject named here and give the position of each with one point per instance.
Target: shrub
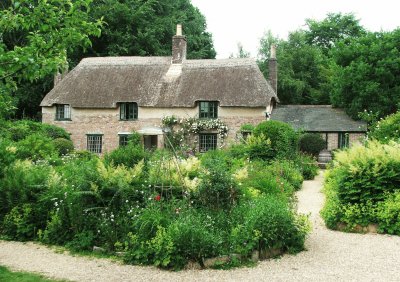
(307, 165)
(311, 143)
(387, 129)
(360, 185)
(36, 147)
(20, 223)
(21, 129)
(366, 173)
(268, 223)
(389, 214)
(128, 155)
(282, 136)
(217, 189)
(63, 146)
(23, 183)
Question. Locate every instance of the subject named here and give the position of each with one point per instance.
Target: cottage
(334, 125)
(102, 100)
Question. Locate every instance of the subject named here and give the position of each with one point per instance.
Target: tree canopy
(35, 37)
(337, 61)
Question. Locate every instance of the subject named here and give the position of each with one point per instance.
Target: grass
(11, 276)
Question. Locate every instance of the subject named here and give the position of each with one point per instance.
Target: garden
(165, 208)
(363, 184)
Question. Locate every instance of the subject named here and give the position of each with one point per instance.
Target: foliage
(63, 146)
(268, 223)
(304, 71)
(145, 28)
(18, 130)
(163, 209)
(307, 165)
(128, 155)
(366, 74)
(36, 39)
(311, 143)
(36, 147)
(388, 214)
(217, 190)
(283, 139)
(13, 276)
(386, 129)
(334, 28)
(361, 186)
(183, 131)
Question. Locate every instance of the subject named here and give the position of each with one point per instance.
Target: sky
(232, 22)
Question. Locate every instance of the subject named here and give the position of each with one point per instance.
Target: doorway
(150, 142)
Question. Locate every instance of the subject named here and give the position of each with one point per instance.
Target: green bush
(389, 214)
(63, 146)
(307, 165)
(128, 155)
(361, 185)
(387, 129)
(283, 139)
(217, 189)
(268, 223)
(312, 143)
(21, 129)
(20, 223)
(36, 147)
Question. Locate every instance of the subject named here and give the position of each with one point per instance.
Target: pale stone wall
(106, 122)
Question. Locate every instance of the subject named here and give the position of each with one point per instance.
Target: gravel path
(330, 256)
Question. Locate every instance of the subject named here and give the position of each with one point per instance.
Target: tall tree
(302, 69)
(145, 28)
(334, 28)
(35, 37)
(368, 73)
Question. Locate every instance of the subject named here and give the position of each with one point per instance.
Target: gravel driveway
(330, 256)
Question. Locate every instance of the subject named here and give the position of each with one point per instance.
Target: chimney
(273, 69)
(59, 76)
(178, 46)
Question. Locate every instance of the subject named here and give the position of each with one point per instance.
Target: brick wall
(107, 123)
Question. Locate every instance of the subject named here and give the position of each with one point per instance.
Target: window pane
(208, 109)
(208, 142)
(63, 112)
(128, 111)
(94, 143)
(123, 140)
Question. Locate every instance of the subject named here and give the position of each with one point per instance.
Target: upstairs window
(63, 112)
(208, 109)
(94, 143)
(128, 111)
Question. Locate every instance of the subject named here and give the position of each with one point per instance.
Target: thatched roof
(312, 118)
(155, 82)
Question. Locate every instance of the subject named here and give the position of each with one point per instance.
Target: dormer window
(63, 112)
(128, 111)
(208, 109)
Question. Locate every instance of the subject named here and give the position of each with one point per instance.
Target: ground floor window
(94, 143)
(123, 139)
(150, 142)
(208, 141)
(343, 140)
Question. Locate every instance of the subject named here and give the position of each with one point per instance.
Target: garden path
(330, 256)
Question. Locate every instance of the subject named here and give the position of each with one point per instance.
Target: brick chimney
(273, 69)
(178, 46)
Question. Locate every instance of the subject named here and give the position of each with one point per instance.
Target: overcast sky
(232, 21)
